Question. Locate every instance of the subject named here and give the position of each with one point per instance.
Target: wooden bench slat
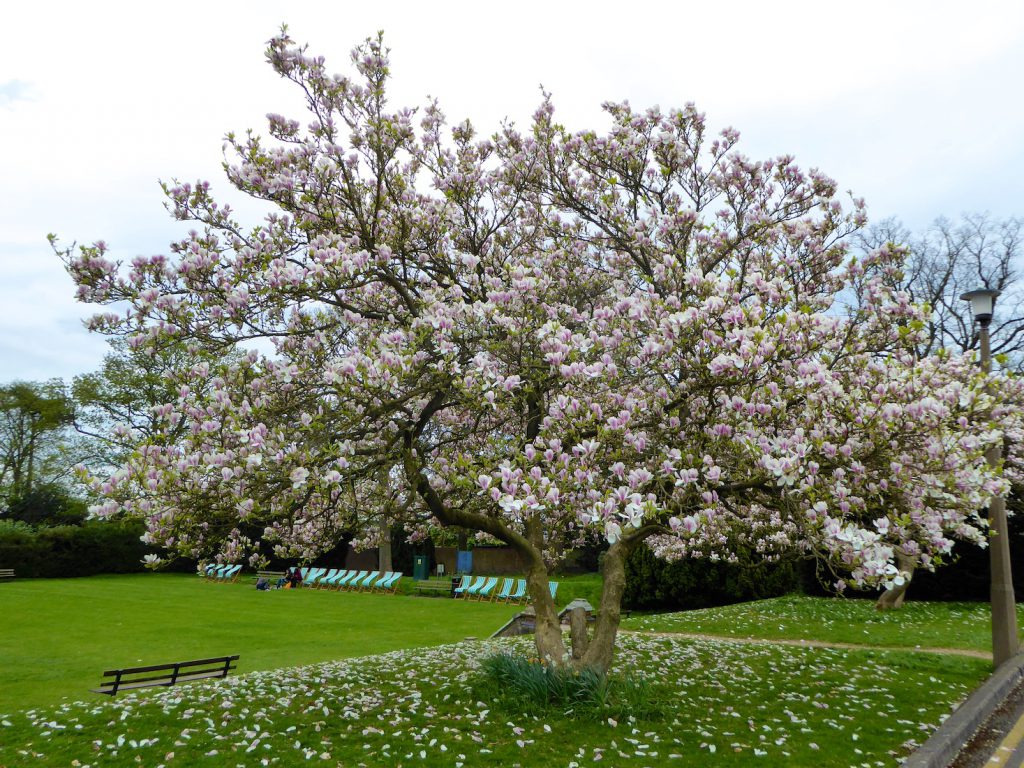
(220, 669)
(172, 665)
(136, 684)
(173, 673)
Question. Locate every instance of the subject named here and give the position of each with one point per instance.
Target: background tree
(33, 422)
(543, 337)
(125, 395)
(953, 257)
(944, 262)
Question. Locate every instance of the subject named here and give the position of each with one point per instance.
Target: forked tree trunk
(596, 651)
(892, 599)
(547, 632)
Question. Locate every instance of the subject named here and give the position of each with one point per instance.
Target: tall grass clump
(532, 686)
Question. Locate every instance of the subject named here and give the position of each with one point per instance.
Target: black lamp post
(1004, 611)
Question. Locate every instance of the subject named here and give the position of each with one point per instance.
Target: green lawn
(59, 635)
(938, 625)
(722, 703)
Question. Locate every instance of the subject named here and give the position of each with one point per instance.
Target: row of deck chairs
(356, 581)
(485, 588)
(214, 572)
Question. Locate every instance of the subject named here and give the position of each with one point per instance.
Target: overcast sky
(915, 106)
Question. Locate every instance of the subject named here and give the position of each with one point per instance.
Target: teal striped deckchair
(390, 583)
(487, 588)
(326, 578)
(354, 579)
(333, 581)
(475, 587)
(505, 591)
(348, 581)
(314, 574)
(553, 586)
(368, 581)
(375, 584)
(207, 572)
(519, 595)
(463, 586)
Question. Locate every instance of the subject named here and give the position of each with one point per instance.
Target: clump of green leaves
(533, 686)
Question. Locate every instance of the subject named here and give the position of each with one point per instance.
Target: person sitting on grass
(295, 578)
(281, 582)
(262, 584)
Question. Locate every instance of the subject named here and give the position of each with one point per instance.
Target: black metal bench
(169, 674)
(6, 573)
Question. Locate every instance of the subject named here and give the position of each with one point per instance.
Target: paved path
(999, 742)
(816, 644)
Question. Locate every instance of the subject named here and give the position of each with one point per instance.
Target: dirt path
(815, 644)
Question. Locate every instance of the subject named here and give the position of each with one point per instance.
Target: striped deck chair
(463, 586)
(519, 595)
(219, 571)
(505, 591)
(352, 580)
(390, 583)
(332, 583)
(553, 586)
(474, 588)
(207, 572)
(487, 588)
(326, 578)
(309, 580)
(375, 583)
(231, 574)
(368, 581)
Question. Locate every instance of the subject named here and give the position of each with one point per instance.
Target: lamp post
(1004, 613)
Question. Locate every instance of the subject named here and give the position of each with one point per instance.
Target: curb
(945, 744)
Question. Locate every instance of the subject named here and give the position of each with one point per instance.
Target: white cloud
(14, 90)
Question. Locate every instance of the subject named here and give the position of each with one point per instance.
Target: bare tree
(947, 260)
(950, 258)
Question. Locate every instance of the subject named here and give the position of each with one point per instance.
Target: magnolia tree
(543, 337)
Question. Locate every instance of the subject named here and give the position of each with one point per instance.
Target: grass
(60, 634)
(718, 703)
(938, 625)
(724, 704)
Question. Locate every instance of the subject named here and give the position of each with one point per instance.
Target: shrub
(71, 550)
(529, 685)
(652, 583)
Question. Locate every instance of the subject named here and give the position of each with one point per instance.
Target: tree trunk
(548, 632)
(384, 549)
(892, 599)
(578, 633)
(602, 645)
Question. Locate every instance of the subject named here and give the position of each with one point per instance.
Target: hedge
(652, 583)
(72, 550)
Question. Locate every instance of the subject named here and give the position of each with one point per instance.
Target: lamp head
(982, 302)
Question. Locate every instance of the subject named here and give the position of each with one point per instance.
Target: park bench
(165, 674)
(6, 573)
(433, 586)
(271, 576)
